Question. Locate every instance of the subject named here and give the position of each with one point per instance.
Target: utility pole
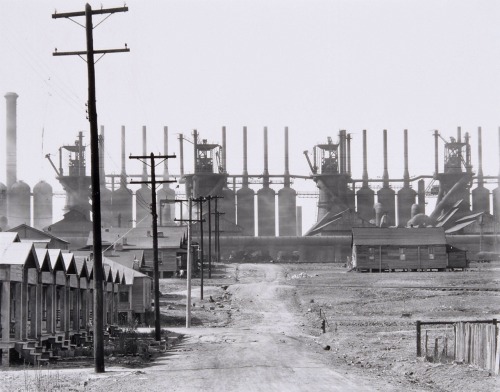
(189, 256)
(154, 214)
(94, 164)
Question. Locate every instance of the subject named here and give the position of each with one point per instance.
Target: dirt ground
(263, 331)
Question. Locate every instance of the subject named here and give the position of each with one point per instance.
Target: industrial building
(251, 205)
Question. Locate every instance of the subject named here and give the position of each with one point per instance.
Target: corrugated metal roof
(398, 236)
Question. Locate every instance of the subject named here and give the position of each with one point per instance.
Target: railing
(475, 342)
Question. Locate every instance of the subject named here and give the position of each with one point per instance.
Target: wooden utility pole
(154, 214)
(201, 200)
(94, 165)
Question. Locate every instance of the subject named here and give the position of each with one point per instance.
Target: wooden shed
(408, 249)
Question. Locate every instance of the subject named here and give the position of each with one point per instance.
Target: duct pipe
(480, 178)
(365, 161)
(181, 153)
(451, 193)
(459, 140)
(349, 153)
(102, 178)
(11, 145)
(436, 155)
(245, 166)
(123, 172)
(224, 150)
(144, 152)
(406, 174)
(287, 171)
(385, 176)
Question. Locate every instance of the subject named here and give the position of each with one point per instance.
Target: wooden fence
(475, 342)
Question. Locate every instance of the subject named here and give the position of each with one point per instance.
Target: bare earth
(263, 333)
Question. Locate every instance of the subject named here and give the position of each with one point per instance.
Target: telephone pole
(94, 164)
(154, 214)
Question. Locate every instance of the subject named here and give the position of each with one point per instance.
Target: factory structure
(266, 220)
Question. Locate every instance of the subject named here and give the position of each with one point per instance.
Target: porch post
(76, 306)
(32, 333)
(24, 305)
(39, 306)
(5, 305)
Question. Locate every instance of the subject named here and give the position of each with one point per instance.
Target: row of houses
(47, 294)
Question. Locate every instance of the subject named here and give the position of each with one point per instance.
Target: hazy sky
(314, 66)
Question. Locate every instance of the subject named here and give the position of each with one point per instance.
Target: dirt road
(262, 349)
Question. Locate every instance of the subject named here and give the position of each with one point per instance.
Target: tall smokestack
(224, 151)
(102, 178)
(123, 172)
(287, 171)
(480, 178)
(406, 173)
(341, 152)
(245, 166)
(365, 161)
(11, 145)
(144, 153)
(166, 176)
(349, 153)
(385, 176)
(181, 153)
(266, 168)
(195, 145)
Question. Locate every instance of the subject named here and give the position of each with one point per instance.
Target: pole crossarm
(189, 220)
(84, 52)
(56, 15)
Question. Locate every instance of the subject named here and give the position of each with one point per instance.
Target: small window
(123, 296)
(431, 253)
(371, 253)
(402, 255)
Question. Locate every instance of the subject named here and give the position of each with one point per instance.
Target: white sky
(314, 66)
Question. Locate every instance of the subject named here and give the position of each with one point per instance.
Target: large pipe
(266, 168)
(406, 173)
(144, 153)
(480, 177)
(468, 165)
(459, 140)
(181, 153)
(245, 163)
(287, 171)
(385, 176)
(224, 151)
(365, 161)
(11, 145)
(436, 155)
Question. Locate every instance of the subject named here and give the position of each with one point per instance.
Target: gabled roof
(25, 229)
(17, 253)
(133, 259)
(7, 237)
(81, 267)
(127, 274)
(398, 236)
(56, 260)
(69, 263)
(43, 259)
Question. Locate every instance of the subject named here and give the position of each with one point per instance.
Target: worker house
(407, 249)
(46, 299)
